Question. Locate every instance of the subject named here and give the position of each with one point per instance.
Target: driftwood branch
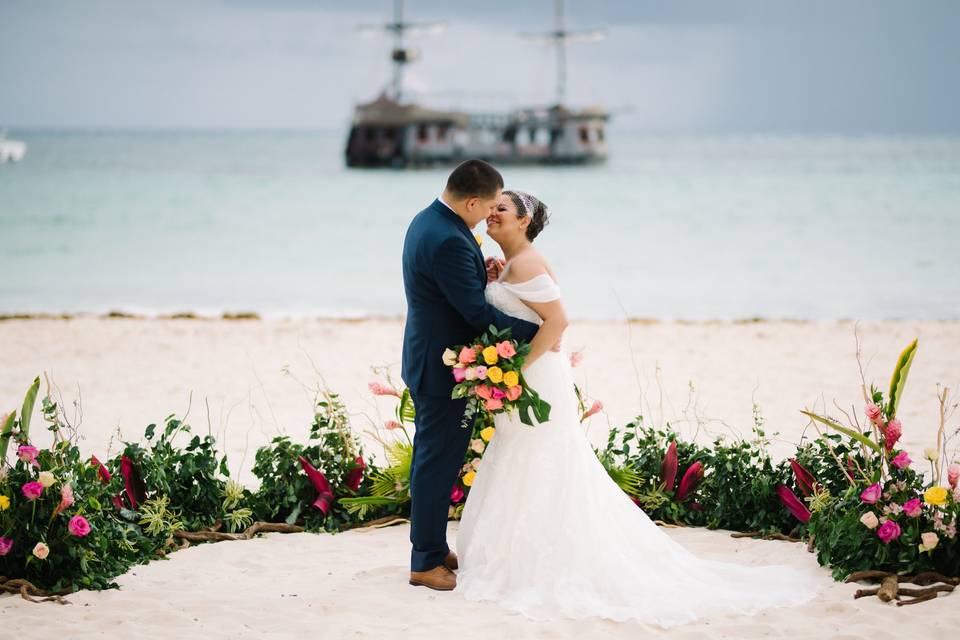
(760, 535)
(890, 590)
(246, 534)
(31, 593)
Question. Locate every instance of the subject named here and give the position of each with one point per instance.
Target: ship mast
(559, 38)
(402, 55)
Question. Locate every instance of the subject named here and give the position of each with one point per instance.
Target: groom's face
(478, 208)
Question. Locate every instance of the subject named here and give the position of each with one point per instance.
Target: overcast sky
(808, 66)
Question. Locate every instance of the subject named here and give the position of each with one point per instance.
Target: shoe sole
(429, 586)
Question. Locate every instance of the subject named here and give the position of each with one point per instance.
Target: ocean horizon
(689, 227)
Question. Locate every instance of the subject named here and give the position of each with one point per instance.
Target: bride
(545, 531)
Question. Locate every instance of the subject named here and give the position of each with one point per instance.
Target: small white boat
(11, 150)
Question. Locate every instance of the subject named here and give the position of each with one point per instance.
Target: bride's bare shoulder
(529, 265)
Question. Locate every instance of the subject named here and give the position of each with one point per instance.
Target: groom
(444, 277)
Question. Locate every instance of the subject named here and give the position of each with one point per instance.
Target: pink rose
(481, 372)
(493, 404)
(513, 393)
(869, 520)
(913, 507)
(391, 425)
(875, 414)
(902, 460)
(953, 474)
(5, 545)
(871, 494)
(28, 454)
(459, 374)
(78, 526)
(467, 355)
(32, 490)
(483, 391)
(505, 349)
(383, 390)
(576, 358)
(497, 393)
(888, 531)
(457, 494)
(892, 433)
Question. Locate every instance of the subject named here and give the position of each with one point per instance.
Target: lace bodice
(509, 297)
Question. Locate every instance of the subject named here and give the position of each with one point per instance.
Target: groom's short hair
(474, 178)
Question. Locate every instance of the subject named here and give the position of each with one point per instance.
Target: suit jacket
(444, 280)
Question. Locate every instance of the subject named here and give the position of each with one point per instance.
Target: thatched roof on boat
(386, 112)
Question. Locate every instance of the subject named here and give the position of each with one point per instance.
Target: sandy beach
(257, 377)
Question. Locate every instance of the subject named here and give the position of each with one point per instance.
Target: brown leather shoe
(450, 562)
(439, 579)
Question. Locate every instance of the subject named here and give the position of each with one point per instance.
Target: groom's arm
(456, 275)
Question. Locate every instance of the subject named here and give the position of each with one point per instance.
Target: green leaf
(6, 430)
(899, 378)
(28, 401)
(859, 437)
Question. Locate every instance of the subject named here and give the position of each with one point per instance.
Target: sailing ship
(392, 131)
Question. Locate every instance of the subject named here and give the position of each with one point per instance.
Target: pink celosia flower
(514, 392)
(576, 358)
(668, 468)
(5, 545)
(505, 349)
(493, 404)
(871, 494)
(793, 504)
(66, 498)
(391, 424)
(595, 408)
(467, 356)
(892, 433)
(875, 414)
(888, 531)
(902, 460)
(953, 474)
(78, 526)
(913, 507)
(32, 490)
(383, 390)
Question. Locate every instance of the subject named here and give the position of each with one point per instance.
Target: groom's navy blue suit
(444, 279)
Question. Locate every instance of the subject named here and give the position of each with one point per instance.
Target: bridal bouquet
(488, 372)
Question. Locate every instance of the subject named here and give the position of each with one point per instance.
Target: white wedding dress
(547, 533)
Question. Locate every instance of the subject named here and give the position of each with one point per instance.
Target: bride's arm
(553, 313)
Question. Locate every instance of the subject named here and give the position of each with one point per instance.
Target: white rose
(475, 463)
(869, 520)
(929, 540)
(46, 479)
(477, 445)
(470, 374)
(449, 357)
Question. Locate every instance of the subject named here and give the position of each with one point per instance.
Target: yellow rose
(495, 375)
(487, 434)
(4, 503)
(511, 378)
(936, 496)
(468, 478)
(490, 355)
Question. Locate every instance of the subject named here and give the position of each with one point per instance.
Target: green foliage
(899, 378)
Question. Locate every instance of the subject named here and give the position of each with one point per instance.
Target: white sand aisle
(352, 585)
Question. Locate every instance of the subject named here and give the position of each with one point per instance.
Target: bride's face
(504, 222)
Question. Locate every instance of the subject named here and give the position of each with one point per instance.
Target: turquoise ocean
(671, 227)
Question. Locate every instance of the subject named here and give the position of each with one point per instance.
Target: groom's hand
(494, 268)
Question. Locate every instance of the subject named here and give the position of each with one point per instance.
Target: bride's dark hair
(530, 205)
